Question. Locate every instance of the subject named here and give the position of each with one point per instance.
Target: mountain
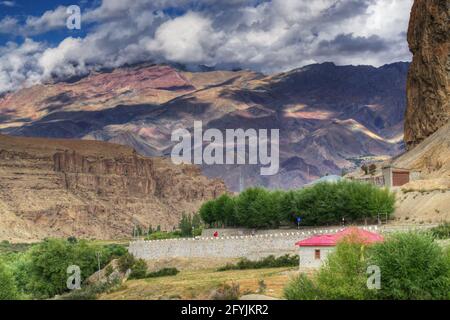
(428, 80)
(90, 189)
(330, 117)
(427, 124)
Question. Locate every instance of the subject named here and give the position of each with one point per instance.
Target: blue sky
(263, 35)
(22, 9)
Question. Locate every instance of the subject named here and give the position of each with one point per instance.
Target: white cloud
(18, 65)
(268, 36)
(189, 39)
(8, 3)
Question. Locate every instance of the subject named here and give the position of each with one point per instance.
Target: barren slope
(59, 188)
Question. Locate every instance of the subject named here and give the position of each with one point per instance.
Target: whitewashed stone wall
(252, 247)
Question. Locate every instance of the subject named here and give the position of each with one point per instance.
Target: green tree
(185, 225)
(343, 276)
(49, 262)
(207, 212)
(8, 289)
(225, 210)
(413, 267)
(256, 209)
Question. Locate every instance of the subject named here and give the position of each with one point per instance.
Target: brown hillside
(89, 189)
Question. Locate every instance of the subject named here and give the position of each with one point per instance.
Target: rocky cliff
(91, 189)
(428, 86)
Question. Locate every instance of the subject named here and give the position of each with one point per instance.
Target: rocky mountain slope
(429, 75)
(90, 189)
(427, 125)
(330, 117)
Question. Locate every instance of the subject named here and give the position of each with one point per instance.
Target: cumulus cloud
(19, 65)
(268, 36)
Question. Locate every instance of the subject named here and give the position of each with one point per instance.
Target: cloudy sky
(264, 35)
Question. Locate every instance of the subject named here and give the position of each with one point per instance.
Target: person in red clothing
(216, 234)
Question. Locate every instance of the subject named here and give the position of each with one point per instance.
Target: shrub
(138, 270)
(227, 292)
(442, 231)
(343, 276)
(126, 262)
(163, 273)
(8, 289)
(262, 287)
(92, 291)
(112, 251)
(162, 235)
(267, 262)
(48, 263)
(302, 288)
(413, 267)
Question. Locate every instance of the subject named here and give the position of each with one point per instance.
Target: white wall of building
(308, 256)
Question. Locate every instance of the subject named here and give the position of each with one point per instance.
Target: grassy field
(198, 284)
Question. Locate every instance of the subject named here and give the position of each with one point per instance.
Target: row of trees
(322, 204)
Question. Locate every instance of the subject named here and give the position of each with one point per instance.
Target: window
(317, 254)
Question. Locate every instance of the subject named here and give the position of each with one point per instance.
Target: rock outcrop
(89, 189)
(429, 75)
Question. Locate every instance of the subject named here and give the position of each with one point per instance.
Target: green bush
(138, 269)
(126, 262)
(442, 231)
(92, 291)
(48, 263)
(8, 289)
(163, 235)
(302, 288)
(165, 272)
(41, 271)
(267, 262)
(343, 276)
(413, 267)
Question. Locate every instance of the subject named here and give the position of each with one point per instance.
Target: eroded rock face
(88, 189)
(428, 80)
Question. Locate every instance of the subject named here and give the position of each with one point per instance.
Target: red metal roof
(330, 240)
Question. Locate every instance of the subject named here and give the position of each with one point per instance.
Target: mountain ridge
(142, 106)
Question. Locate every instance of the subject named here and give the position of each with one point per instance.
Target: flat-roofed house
(396, 177)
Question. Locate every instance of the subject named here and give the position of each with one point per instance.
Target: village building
(315, 250)
(388, 177)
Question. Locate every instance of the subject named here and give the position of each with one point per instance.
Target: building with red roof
(314, 250)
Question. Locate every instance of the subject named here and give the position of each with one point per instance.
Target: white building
(315, 250)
